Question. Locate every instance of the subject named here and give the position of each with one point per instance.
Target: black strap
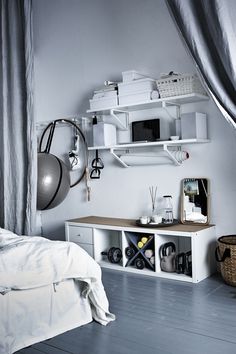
(50, 137)
(225, 254)
(97, 162)
(42, 137)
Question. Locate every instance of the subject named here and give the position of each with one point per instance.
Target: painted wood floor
(155, 316)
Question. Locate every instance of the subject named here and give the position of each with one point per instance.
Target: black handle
(166, 246)
(97, 162)
(225, 254)
(95, 173)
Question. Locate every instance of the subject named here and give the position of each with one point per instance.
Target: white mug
(144, 219)
(157, 219)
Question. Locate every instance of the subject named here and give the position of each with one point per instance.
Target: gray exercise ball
(53, 181)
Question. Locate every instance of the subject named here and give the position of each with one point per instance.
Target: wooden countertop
(130, 223)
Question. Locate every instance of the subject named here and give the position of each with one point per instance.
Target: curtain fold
(207, 30)
(18, 149)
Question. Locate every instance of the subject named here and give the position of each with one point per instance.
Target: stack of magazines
(105, 97)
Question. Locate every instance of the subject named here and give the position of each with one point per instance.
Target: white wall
(78, 45)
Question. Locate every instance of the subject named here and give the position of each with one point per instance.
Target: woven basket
(226, 255)
(177, 85)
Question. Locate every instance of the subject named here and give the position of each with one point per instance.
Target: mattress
(33, 315)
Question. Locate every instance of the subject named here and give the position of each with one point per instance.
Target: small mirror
(195, 201)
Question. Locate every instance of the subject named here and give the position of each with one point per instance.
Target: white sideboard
(98, 234)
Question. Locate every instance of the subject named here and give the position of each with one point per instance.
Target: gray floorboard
(155, 316)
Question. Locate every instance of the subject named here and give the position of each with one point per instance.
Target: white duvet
(32, 262)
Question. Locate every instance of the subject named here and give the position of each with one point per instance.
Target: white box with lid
(131, 75)
(142, 96)
(103, 103)
(104, 134)
(193, 125)
(126, 88)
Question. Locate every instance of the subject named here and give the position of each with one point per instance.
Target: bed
(46, 288)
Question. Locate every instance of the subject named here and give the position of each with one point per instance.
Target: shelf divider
(140, 251)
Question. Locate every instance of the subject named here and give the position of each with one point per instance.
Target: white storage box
(177, 85)
(138, 97)
(193, 126)
(126, 88)
(103, 94)
(104, 134)
(103, 103)
(131, 75)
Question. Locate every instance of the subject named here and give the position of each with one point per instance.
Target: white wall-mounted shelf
(150, 144)
(157, 103)
(119, 115)
(164, 145)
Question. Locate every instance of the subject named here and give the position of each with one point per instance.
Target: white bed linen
(32, 263)
(31, 316)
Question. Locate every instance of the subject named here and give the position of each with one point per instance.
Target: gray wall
(78, 45)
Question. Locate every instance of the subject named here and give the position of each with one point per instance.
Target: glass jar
(168, 209)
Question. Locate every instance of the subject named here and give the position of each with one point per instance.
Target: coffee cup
(157, 219)
(144, 219)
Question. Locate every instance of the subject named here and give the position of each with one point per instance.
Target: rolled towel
(148, 253)
(152, 260)
(144, 240)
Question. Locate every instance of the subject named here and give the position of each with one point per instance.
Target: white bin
(104, 134)
(193, 125)
(138, 97)
(131, 75)
(135, 98)
(103, 103)
(126, 88)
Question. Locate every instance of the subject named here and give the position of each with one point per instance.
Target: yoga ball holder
(54, 182)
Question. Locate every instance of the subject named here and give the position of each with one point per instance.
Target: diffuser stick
(153, 194)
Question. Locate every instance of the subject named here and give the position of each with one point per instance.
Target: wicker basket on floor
(226, 256)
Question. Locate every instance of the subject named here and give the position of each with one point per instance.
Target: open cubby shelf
(98, 234)
(140, 252)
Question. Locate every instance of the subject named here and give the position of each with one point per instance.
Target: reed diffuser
(153, 194)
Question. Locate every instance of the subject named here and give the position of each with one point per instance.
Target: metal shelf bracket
(115, 114)
(118, 158)
(166, 104)
(169, 154)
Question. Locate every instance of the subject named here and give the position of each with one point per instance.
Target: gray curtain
(18, 159)
(207, 29)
